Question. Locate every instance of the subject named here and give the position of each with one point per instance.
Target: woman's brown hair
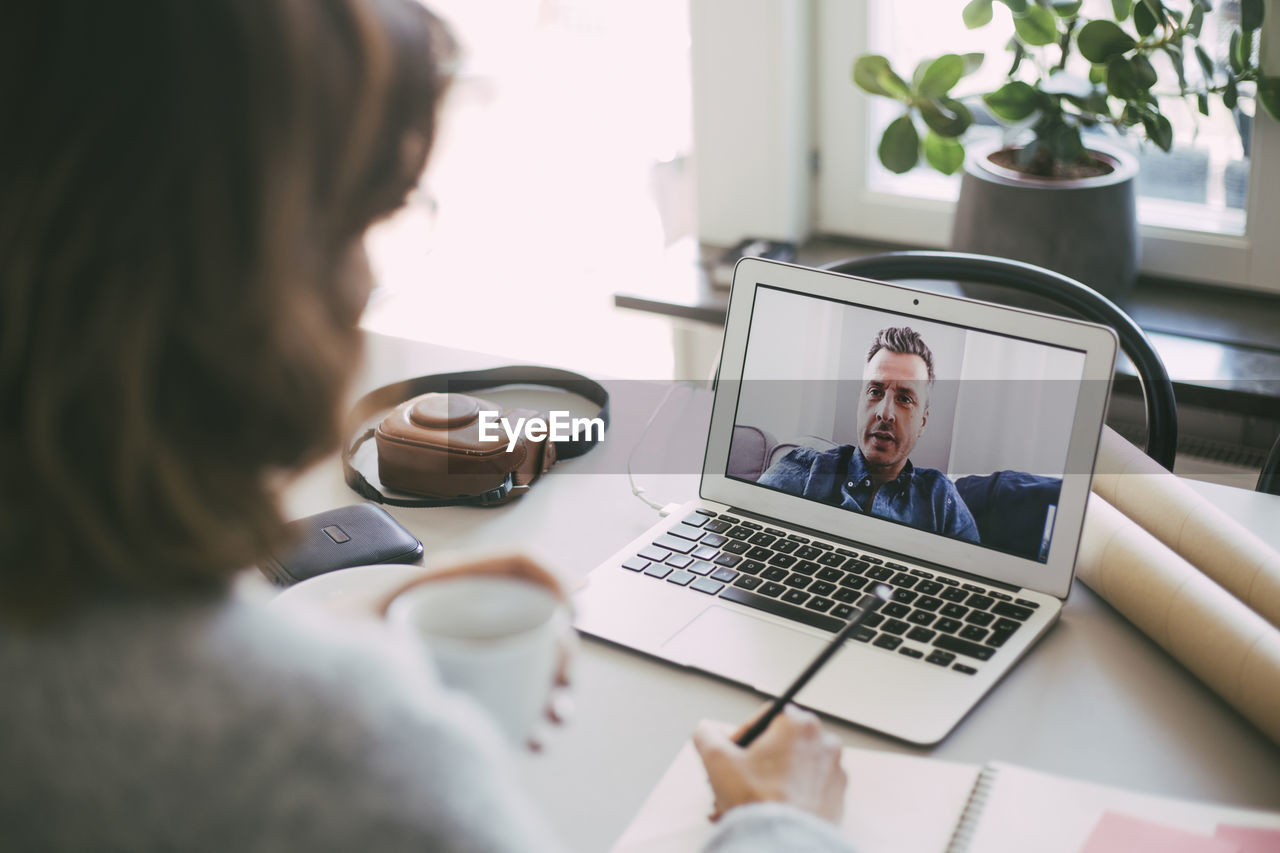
(183, 189)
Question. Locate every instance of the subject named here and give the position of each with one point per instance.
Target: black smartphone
(357, 535)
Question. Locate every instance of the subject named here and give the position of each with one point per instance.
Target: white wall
(792, 365)
(1015, 408)
(751, 67)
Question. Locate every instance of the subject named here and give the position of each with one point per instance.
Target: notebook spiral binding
(972, 814)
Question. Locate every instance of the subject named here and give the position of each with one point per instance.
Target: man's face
(893, 410)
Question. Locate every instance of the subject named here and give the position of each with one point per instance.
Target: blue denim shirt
(921, 497)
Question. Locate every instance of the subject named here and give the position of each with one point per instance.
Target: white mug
(495, 638)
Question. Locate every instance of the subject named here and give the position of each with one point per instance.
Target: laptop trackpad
(743, 648)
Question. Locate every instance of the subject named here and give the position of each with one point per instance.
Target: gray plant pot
(1083, 228)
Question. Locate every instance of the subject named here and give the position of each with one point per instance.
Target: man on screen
(876, 477)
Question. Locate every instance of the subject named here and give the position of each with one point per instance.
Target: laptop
(865, 433)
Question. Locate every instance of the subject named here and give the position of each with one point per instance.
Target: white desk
(1096, 699)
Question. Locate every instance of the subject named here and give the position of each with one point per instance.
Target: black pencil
(868, 605)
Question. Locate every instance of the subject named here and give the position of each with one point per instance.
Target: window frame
(846, 205)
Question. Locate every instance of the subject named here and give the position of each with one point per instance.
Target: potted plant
(1054, 193)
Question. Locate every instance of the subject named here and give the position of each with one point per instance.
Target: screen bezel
(1098, 344)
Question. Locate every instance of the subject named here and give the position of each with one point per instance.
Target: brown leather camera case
(430, 445)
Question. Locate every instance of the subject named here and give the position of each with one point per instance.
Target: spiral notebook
(899, 803)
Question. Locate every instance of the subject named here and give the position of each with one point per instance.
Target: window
(1208, 211)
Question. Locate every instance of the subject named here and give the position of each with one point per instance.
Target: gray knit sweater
(221, 725)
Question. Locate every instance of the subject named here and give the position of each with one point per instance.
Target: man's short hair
(905, 341)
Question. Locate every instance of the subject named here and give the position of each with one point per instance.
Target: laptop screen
(950, 430)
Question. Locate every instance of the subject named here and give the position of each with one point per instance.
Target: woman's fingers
(794, 761)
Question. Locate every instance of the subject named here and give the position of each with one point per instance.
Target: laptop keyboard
(931, 618)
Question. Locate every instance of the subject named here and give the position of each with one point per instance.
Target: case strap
(466, 382)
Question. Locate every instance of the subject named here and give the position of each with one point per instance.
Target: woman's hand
(370, 602)
(794, 761)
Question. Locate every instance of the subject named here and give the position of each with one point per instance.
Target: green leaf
(1156, 7)
(1269, 95)
(1143, 73)
(1014, 101)
(1097, 74)
(918, 75)
(1019, 54)
(972, 62)
(1196, 22)
(1202, 103)
(1101, 40)
(944, 154)
(873, 74)
(939, 76)
(1036, 27)
(1143, 20)
(1158, 130)
(1178, 60)
(1121, 8)
(946, 116)
(894, 85)
(1017, 7)
(1233, 53)
(1246, 48)
(1092, 107)
(899, 149)
(1206, 64)
(1065, 8)
(865, 71)
(977, 14)
(1251, 13)
(1231, 95)
(1208, 7)
(1122, 80)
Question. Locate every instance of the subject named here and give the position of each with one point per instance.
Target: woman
(184, 189)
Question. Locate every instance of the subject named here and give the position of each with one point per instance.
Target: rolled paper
(1208, 630)
(1192, 526)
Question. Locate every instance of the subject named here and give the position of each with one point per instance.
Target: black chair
(1269, 479)
(1078, 300)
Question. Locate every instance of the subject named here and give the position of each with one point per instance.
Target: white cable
(638, 491)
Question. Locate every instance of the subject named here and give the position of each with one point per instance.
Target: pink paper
(1250, 839)
(1118, 833)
